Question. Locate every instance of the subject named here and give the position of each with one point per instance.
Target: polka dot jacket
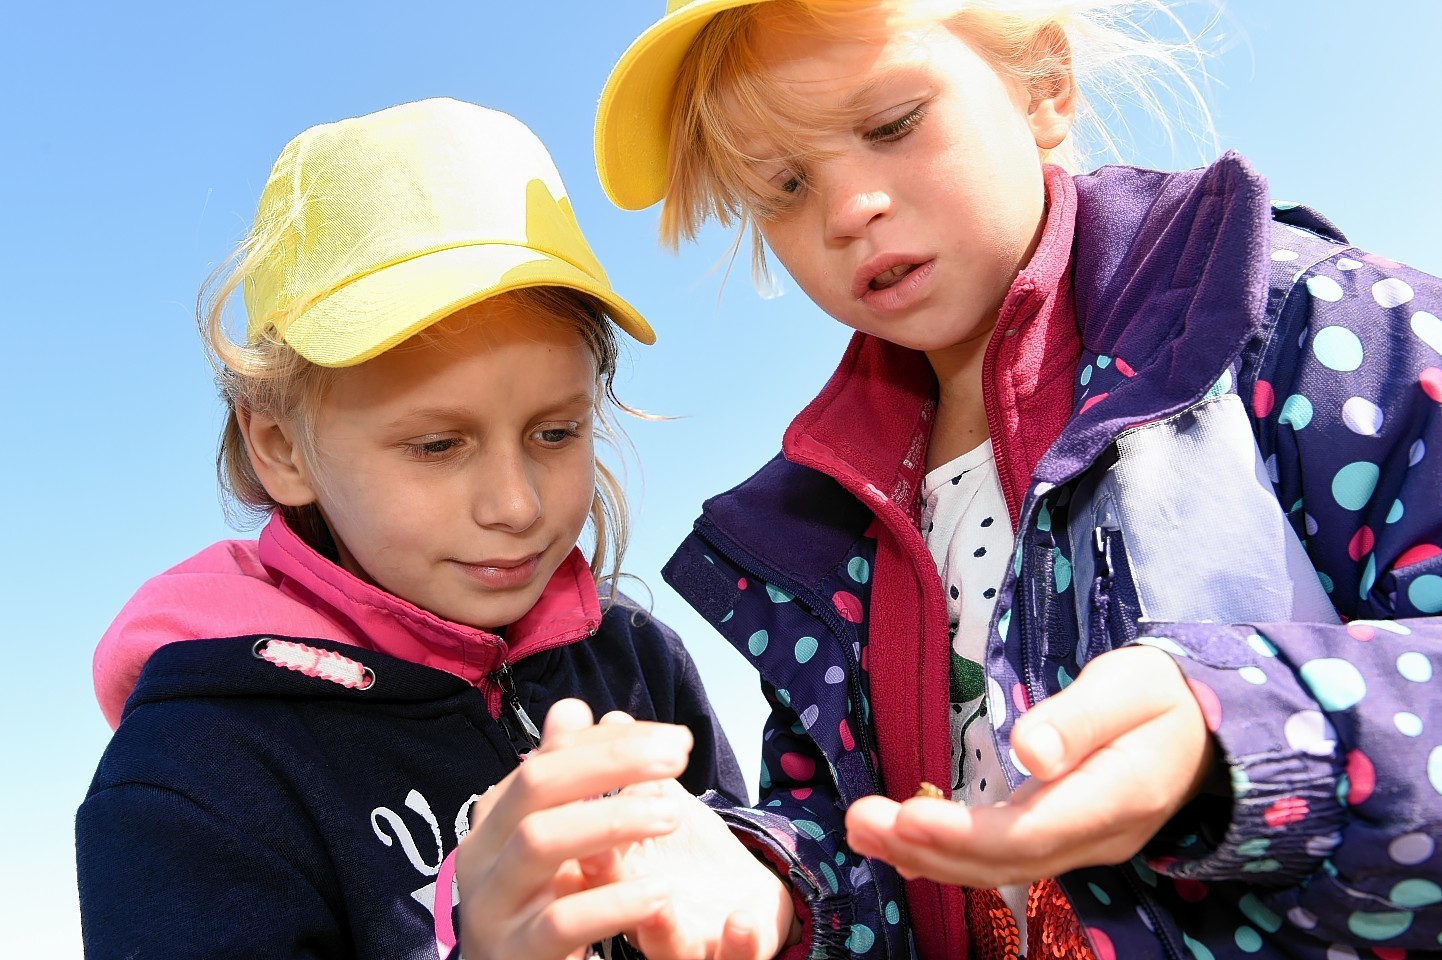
(1246, 472)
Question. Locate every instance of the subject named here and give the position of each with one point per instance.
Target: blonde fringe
(724, 98)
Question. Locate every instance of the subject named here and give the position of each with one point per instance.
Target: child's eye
(785, 179)
(431, 448)
(555, 436)
(896, 129)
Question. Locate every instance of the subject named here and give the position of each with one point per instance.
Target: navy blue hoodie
(243, 809)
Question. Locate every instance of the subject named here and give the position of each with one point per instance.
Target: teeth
(887, 278)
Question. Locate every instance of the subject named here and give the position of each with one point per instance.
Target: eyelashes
(442, 448)
(773, 197)
(897, 128)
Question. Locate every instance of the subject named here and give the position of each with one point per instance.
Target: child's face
(457, 472)
(927, 197)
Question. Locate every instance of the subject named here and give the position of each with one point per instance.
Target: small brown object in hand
(929, 790)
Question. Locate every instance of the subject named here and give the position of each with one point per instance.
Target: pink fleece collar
(869, 429)
(870, 425)
(279, 584)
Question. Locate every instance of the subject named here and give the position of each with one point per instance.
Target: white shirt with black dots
(968, 531)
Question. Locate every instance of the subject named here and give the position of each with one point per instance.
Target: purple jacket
(1250, 478)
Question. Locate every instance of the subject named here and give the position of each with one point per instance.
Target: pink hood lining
(279, 584)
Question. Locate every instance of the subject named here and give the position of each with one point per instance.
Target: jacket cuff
(1282, 758)
(825, 914)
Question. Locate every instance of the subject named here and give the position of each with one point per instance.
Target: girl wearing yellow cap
(1096, 595)
(308, 724)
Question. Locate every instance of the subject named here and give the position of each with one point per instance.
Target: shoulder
(1364, 301)
(628, 621)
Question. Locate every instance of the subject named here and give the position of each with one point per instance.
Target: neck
(960, 409)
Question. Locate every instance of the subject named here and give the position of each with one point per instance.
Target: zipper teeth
(1146, 904)
(754, 568)
(1035, 687)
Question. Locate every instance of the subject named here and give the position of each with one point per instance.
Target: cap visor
(369, 316)
(633, 119)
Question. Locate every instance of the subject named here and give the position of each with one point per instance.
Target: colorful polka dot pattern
(811, 650)
(1345, 399)
(1323, 408)
(1333, 748)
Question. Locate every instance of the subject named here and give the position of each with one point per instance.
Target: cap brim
(633, 119)
(369, 316)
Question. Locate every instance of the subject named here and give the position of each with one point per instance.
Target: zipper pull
(1102, 542)
(512, 702)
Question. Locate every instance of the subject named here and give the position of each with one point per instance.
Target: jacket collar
(281, 585)
(568, 609)
(1171, 275)
(1167, 270)
(870, 425)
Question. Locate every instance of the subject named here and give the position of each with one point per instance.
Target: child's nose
(507, 496)
(853, 202)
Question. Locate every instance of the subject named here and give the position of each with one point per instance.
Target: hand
(521, 887)
(1114, 756)
(724, 904)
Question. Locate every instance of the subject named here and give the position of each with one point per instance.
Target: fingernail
(911, 831)
(661, 812)
(1046, 747)
(666, 745)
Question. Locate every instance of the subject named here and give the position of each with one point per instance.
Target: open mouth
(888, 277)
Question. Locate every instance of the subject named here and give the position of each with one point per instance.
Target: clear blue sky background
(136, 138)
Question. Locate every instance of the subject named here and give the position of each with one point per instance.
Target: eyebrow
(865, 92)
(465, 413)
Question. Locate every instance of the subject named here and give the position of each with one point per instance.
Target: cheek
(797, 249)
(570, 488)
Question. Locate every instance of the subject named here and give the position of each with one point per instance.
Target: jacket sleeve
(229, 896)
(798, 828)
(1331, 732)
(798, 824)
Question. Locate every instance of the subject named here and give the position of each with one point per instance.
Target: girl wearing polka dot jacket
(1175, 450)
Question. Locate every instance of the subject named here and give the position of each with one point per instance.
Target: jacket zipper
(511, 703)
(1023, 598)
(1145, 902)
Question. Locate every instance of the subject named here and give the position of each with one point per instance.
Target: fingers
(544, 840)
(663, 937)
(1133, 685)
(740, 938)
(538, 864)
(568, 924)
(598, 760)
(1102, 811)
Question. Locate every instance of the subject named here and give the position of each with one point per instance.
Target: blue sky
(138, 138)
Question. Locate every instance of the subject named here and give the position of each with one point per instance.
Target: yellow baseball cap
(396, 219)
(633, 121)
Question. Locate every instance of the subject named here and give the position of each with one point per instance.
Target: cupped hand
(518, 869)
(1113, 757)
(724, 903)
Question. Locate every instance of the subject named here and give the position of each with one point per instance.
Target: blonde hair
(266, 374)
(723, 94)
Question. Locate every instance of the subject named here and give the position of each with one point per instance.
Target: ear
(276, 457)
(1053, 94)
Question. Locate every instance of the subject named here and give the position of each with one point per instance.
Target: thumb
(1115, 693)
